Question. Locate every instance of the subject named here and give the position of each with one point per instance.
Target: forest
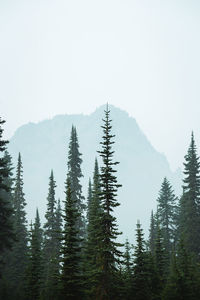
(76, 254)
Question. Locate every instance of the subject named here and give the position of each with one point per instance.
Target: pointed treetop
(19, 157)
(37, 213)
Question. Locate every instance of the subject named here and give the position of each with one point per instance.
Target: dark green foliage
(160, 259)
(58, 231)
(142, 275)
(93, 243)
(167, 217)
(89, 200)
(74, 175)
(189, 222)
(52, 244)
(17, 257)
(184, 281)
(152, 234)
(6, 229)
(71, 251)
(34, 270)
(109, 250)
(127, 272)
(83, 261)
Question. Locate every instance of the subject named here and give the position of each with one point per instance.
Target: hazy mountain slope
(45, 145)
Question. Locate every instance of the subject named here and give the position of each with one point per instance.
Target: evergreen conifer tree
(19, 253)
(152, 234)
(160, 261)
(184, 281)
(71, 252)
(189, 221)
(75, 175)
(34, 270)
(52, 244)
(109, 250)
(127, 274)
(142, 288)
(167, 216)
(6, 227)
(54, 280)
(93, 243)
(89, 200)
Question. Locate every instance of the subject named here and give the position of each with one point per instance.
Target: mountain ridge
(44, 146)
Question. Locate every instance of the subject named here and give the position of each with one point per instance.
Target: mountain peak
(44, 146)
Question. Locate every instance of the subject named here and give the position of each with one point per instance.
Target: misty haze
(99, 150)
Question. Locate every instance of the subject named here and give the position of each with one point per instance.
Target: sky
(66, 57)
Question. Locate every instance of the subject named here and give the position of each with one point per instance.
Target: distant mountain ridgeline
(44, 146)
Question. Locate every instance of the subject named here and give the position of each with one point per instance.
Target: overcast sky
(72, 56)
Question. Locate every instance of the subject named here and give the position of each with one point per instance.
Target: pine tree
(160, 260)
(18, 255)
(54, 282)
(58, 235)
(152, 234)
(109, 251)
(6, 227)
(184, 281)
(71, 251)
(7, 236)
(93, 243)
(141, 277)
(75, 175)
(167, 216)
(172, 290)
(51, 248)
(34, 271)
(189, 221)
(127, 273)
(89, 200)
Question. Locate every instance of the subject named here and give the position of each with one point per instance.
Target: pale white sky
(72, 56)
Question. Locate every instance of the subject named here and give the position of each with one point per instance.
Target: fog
(72, 56)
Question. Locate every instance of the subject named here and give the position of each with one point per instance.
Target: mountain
(44, 146)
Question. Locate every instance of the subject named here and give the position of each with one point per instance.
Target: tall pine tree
(6, 228)
(18, 255)
(109, 251)
(152, 234)
(167, 216)
(142, 277)
(75, 175)
(93, 243)
(71, 251)
(52, 244)
(34, 271)
(189, 221)
(128, 272)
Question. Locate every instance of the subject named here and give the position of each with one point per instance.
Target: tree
(183, 281)
(167, 216)
(160, 260)
(52, 244)
(89, 200)
(75, 175)
(141, 277)
(6, 226)
(109, 251)
(152, 234)
(18, 255)
(127, 273)
(92, 245)
(71, 251)
(34, 272)
(189, 221)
